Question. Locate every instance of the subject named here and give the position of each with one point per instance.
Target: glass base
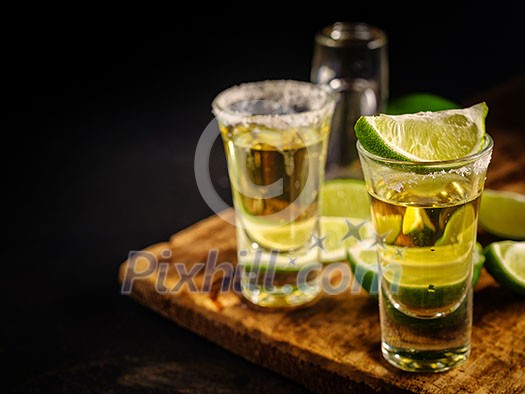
(283, 296)
(425, 361)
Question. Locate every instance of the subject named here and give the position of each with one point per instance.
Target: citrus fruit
(416, 220)
(503, 213)
(389, 225)
(364, 265)
(506, 263)
(416, 102)
(424, 136)
(345, 210)
(345, 198)
(339, 238)
(459, 227)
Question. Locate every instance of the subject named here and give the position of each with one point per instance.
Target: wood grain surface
(334, 345)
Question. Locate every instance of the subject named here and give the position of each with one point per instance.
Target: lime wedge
(459, 227)
(503, 214)
(364, 265)
(506, 263)
(390, 225)
(345, 198)
(424, 136)
(416, 220)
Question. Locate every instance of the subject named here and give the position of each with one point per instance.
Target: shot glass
(351, 60)
(425, 217)
(275, 137)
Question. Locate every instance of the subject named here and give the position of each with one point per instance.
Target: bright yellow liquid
(426, 258)
(426, 264)
(275, 178)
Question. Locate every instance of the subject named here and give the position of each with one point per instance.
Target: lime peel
(364, 265)
(502, 213)
(345, 198)
(506, 263)
(424, 136)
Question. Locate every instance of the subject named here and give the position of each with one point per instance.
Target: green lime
(339, 238)
(291, 235)
(424, 136)
(338, 234)
(345, 198)
(506, 263)
(416, 220)
(503, 213)
(345, 210)
(459, 227)
(478, 259)
(364, 265)
(416, 102)
(390, 225)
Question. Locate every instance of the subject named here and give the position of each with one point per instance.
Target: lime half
(416, 102)
(345, 198)
(345, 210)
(506, 263)
(424, 136)
(503, 214)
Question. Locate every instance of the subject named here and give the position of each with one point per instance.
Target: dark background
(100, 162)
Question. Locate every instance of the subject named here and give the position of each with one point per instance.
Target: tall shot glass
(351, 60)
(275, 137)
(425, 216)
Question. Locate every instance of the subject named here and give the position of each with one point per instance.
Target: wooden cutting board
(334, 345)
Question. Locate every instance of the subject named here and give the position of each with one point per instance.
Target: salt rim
(473, 165)
(286, 93)
(479, 160)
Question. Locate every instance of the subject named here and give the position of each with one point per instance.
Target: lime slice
(416, 220)
(345, 198)
(389, 225)
(459, 227)
(503, 214)
(478, 259)
(339, 233)
(345, 210)
(415, 102)
(345, 206)
(287, 236)
(424, 136)
(364, 266)
(506, 263)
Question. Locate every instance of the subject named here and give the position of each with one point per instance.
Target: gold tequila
(275, 135)
(427, 237)
(275, 177)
